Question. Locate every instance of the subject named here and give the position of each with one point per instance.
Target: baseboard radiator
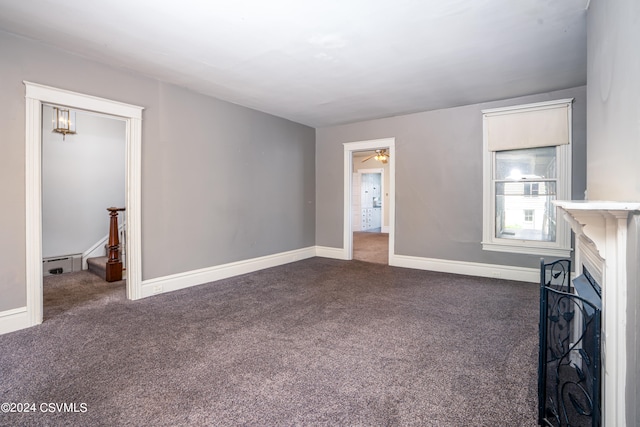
(61, 264)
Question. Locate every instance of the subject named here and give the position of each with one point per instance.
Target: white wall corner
(14, 320)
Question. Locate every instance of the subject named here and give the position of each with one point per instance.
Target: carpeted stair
(98, 266)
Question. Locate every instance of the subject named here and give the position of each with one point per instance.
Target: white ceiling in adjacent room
(325, 62)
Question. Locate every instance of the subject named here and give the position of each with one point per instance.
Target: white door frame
(36, 95)
(349, 149)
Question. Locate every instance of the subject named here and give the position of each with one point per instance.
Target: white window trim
(562, 246)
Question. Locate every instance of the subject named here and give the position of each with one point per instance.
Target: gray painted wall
(438, 178)
(613, 82)
(220, 182)
(82, 175)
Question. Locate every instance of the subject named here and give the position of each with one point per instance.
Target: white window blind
(528, 127)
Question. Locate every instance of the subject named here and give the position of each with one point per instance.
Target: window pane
(528, 215)
(523, 213)
(531, 163)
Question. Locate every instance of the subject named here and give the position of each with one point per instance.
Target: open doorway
(83, 174)
(369, 200)
(37, 95)
(370, 223)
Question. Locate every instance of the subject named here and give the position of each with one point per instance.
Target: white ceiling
(325, 62)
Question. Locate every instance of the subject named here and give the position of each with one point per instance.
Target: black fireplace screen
(569, 368)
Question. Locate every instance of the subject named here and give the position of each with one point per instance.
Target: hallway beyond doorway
(371, 247)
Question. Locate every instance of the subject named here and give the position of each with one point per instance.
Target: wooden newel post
(114, 263)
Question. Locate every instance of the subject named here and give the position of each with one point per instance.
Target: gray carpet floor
(316, 342)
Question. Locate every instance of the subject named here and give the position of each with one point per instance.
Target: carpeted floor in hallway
(371, 247)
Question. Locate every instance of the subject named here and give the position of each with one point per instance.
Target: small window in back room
(528, 215)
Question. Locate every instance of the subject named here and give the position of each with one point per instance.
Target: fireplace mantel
(590, 218)
(601, 245)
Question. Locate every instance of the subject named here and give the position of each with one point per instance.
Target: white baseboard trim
(14, 320)
(384, 229)
(495, 271)
(210, 274)
(327, 252)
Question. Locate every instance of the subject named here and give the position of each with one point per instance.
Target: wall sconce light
(64, 121)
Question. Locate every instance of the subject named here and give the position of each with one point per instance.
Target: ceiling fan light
(379, 155)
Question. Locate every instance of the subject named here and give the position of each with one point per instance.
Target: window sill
(529, 250)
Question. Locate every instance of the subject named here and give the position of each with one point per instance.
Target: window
(528, 215)
(531, 189)
(527, 166)
(517, 179)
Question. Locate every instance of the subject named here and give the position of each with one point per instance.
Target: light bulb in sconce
(64, 121)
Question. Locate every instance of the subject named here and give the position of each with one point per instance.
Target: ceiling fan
(380, 155)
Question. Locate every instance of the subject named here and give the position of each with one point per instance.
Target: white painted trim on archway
(36, 95)
(349, 149)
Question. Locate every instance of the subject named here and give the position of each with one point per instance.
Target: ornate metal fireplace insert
(569, 365)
